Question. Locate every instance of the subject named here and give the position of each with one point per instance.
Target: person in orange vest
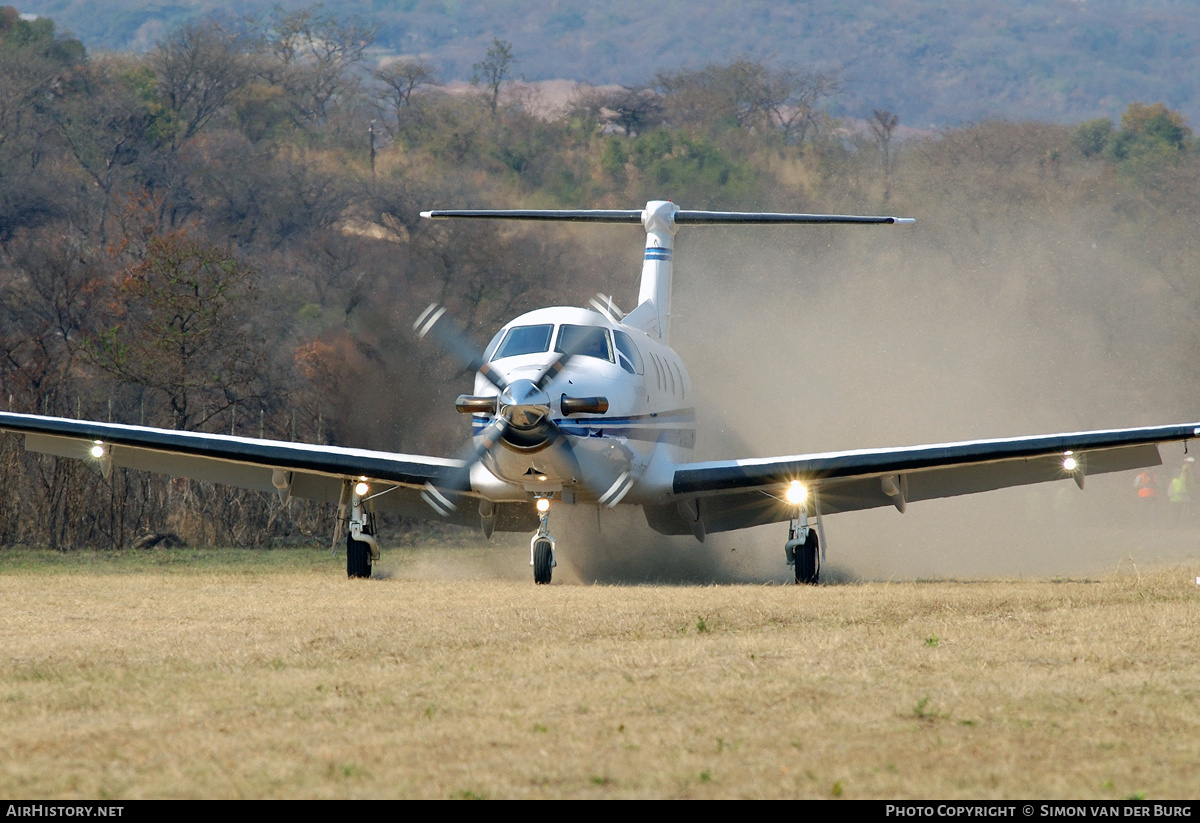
(1146, 485)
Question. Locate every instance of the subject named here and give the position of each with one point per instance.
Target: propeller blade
(434, 324)
(577, 346)
(434, 495)
(488, 441)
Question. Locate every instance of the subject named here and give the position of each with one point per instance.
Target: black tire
(358, 558)
(543, 562)
(808, 560)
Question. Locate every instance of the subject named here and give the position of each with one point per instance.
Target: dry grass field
(268, 674)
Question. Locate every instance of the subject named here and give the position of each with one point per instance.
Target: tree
(746, 95)
(201, 68)
(315, 60)
(1152, 140)
(182, 326)
(1156, 121)
(793, 97)
(33, 65)
(493, 70)
(1146, 128)
(633, 109)
(106, 125)
(883, 123)
(1091, 138)
(400, 80)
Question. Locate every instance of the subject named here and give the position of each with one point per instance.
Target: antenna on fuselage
(661, 219)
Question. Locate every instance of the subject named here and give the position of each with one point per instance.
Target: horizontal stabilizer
(682, 217)
(567, 215)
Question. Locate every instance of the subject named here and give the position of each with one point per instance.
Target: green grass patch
(24, 560)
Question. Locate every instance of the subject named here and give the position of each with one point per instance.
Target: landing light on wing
(98, 449)
(1070, 464)
(796, 493)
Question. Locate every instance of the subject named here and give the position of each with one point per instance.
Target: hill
(936, 64)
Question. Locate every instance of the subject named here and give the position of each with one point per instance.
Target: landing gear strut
(803, 550)
(361, 545)
(541, 547)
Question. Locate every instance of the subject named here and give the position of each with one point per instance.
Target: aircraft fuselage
(626, 454)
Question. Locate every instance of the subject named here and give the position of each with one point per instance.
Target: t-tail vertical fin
(653, 311)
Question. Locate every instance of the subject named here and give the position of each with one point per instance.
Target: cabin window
(525, 340)
(628, 356)
(588, 341)
(678, 372)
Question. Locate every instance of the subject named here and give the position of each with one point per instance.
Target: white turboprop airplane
(577, 406)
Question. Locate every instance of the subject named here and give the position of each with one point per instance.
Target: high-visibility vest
(1180, 490)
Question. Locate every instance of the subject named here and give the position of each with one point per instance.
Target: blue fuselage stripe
(679, 429)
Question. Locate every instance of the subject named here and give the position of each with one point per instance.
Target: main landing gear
(361, 545)
(803, 550)
(541, 547)
(358, 557)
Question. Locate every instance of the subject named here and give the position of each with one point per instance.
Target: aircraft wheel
(358, 558)
(543, 560)
(808, 560)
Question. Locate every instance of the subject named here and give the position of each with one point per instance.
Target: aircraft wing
(734, 494)
(299, 469)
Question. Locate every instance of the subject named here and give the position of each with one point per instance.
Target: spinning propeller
(522, 407)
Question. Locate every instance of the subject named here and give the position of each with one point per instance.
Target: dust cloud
(847, 337)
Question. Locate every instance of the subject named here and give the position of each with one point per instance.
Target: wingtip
(905, 221)
(428, 214)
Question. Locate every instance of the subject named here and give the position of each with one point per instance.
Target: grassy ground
(268, 674)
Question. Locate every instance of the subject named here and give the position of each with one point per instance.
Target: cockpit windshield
(525, 340)
(589, 341)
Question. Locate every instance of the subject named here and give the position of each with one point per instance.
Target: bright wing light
(796, 493)
(97, 449)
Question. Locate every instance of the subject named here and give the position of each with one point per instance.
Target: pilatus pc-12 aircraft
(591, 407)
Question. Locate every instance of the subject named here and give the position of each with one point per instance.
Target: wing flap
(958, 480)
(953, 481)
(198, 468)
